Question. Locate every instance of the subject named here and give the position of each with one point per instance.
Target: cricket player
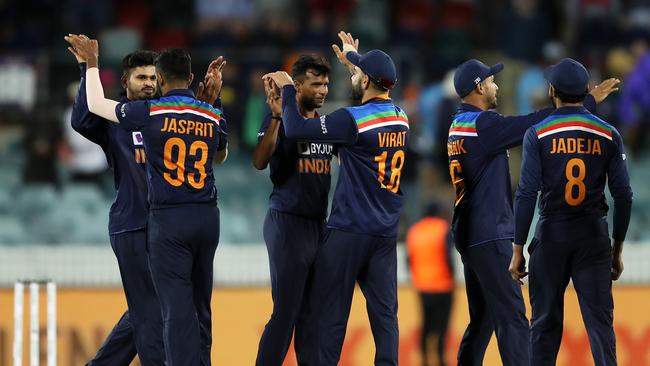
(300, 172)
(182, 138)
(568, 157)
(140, 328)
(360, 242)
(483, 226)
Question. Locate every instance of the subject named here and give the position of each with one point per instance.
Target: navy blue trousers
(182, 243)
(139, 330)
(344, 259)
(588, 264)
(495, 305)
(292, 242)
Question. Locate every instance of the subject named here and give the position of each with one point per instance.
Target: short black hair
(568, 98)
(137, 59)
(318, 64)
(376, 86)
(174, 64)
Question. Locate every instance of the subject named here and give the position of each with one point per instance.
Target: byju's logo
(323, 127)
(137, 138)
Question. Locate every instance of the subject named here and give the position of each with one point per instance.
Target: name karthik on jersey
(456, 147)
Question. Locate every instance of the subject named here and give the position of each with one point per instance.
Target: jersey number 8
(396, 165)
(575, 181)
(178, 165)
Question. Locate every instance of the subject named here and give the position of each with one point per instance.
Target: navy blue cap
(379, 67)
(568, 76)
(470, 73)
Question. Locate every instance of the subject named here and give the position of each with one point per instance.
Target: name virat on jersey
(392, 139)
(188, 127)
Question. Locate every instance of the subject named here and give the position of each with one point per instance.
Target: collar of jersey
(377, 100)
(183, 92)
(464, 107)
(570, 110)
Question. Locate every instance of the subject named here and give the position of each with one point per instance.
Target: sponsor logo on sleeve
(137, 138)
(123, 110)
(323, 127)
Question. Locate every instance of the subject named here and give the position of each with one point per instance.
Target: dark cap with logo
(568, 76)
(470, 73)
(379, 67)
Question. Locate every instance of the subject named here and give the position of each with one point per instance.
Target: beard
(493, 103)
(309, 103)
(357, 93)
(141, 94)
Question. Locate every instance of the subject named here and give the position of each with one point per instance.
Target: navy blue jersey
(371, 142)
(181, 136)
(301, 175)
(568, 157)
(478, 146)
(478, 165)
(126, 157)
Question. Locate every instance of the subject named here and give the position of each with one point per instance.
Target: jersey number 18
(396, 165)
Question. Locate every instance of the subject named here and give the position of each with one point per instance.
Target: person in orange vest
(429, 247)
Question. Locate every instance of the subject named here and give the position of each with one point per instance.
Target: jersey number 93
(176, 168)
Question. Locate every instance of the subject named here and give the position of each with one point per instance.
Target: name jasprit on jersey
(188, 127)
(573, 145)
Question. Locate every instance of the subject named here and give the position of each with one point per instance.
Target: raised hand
(348, 44)
(210, 88)
(273, 98)
(84, 48)
(73, 40)
(605, 88)
(280, 78)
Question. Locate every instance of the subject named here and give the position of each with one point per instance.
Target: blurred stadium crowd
(55, 187)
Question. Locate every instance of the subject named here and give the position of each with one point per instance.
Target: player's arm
(267, 137)
(497, 132)
(87, 124)
(621, 191)
(221, 155)
(88, 49)
(530, 183)
(209, 89)
(222, 150)
(337, 127)
(131, 115)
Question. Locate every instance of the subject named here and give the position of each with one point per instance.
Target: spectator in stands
(85, 160)
(523, 29)
(42, 140)
(634, 106)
